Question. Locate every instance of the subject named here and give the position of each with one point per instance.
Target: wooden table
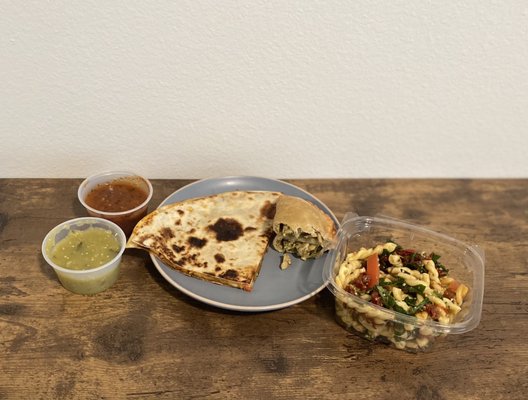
(144, 339)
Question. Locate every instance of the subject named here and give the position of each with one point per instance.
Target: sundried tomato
(362, 282)
(376, 298)
(449, 294)
(432, 310)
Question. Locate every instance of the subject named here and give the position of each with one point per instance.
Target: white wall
(192, 89)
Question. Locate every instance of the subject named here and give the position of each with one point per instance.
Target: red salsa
(116, 196)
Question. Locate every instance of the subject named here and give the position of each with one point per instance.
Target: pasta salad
(403, 280)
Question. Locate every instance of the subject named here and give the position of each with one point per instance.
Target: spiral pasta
(408, 282)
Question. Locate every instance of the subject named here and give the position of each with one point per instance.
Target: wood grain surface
(144, 339)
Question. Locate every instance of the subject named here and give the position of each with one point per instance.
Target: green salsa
(88, 249)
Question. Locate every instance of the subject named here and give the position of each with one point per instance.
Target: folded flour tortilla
(220, 238)
(301, 229)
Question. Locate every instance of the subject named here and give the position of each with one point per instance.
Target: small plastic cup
(127, 219)
(90, 281)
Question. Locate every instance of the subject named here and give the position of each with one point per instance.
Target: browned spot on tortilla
(177, 249)
(191, 259)
(229, 274)
(181, 212)
(249, 228)
(268, 210)
(218, 269)
(167, 233)
(227, 229)
(142, 238)
(196, 242)
(219, 258)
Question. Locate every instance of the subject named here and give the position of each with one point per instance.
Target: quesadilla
(301, 229)
(220, 238)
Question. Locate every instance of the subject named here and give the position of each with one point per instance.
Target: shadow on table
(324, 300)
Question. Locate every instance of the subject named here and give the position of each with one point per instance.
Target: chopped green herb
(386, 252)
(384, 282)
(415, 289)
(389, 301)
(398, 282)
(411, 301)
(435, 257)
(413, 310)
(399, 330)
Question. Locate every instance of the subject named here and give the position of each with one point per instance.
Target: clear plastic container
(125, 219)
(465, 263)
(85, 281)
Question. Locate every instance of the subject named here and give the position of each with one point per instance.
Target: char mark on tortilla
(196, 242)
(227, 229)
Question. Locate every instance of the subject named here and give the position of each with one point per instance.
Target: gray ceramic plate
(274, 288)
